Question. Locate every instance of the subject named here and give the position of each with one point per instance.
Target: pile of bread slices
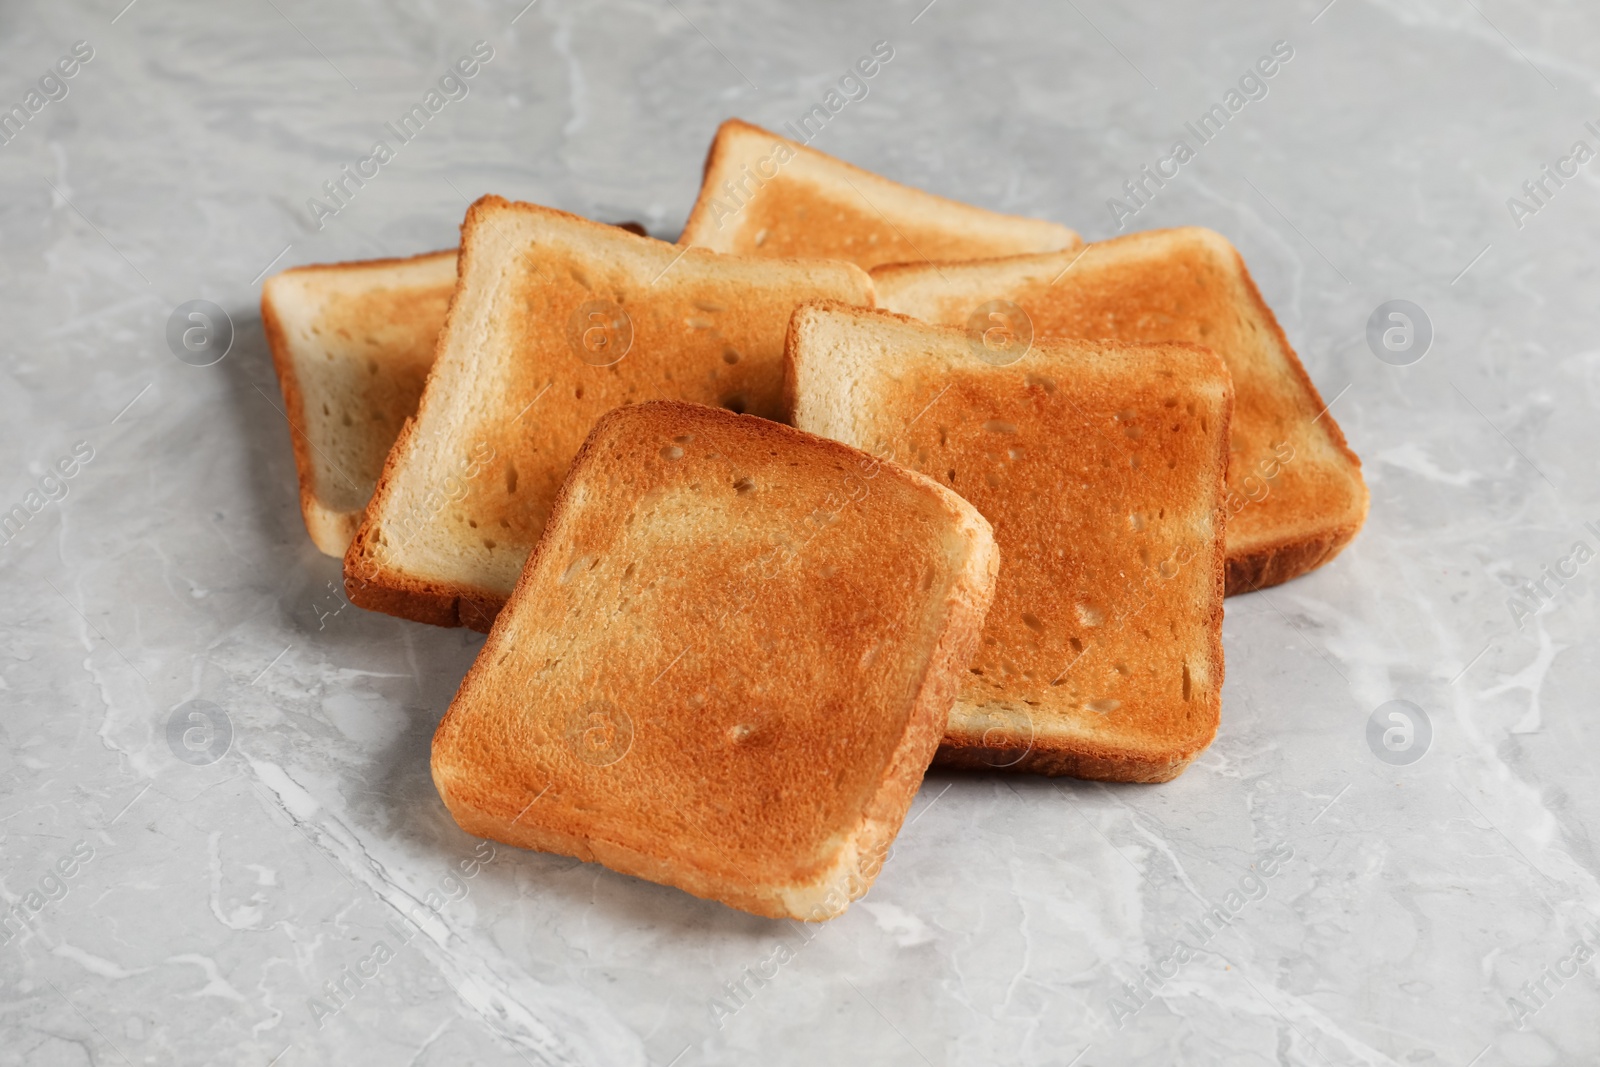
(850, 479)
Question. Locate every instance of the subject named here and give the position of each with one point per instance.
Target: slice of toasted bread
(1101, 466)
(1295, 492)
(536, 348)
(716, 672)
(765, 195)
(352, 344)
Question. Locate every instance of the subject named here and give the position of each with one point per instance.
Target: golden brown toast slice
(716, 671)
(1101, 466)
(1295, 492)
(352, 344)
(557, 320)
(765, 195)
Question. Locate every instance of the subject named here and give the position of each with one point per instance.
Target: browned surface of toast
(716, 672)
(1296, 495)
(765, 195)
(1101, 466)
(526, 365)
(352, 344)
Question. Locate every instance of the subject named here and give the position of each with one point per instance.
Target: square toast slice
(352, 344)
(1100, 465)
(716, 673)
(1295, 492)
(557, 320)
(765, 195)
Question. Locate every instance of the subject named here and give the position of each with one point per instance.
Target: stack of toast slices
(848, 481)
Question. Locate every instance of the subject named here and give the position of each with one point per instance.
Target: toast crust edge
(368, 584)
(968, 608)
(1275, 561)
(1278, 561)
(1107, 767)
(721, 146)
(860, 857)
(331, 529)
(323, 524)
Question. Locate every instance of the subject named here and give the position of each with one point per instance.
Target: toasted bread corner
(1263, 565)
(1102, 290)
(849, 213)
(291, 295)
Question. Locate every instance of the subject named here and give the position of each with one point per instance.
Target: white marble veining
(306, 897)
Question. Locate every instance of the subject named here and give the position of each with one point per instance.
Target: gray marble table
(1303, 895)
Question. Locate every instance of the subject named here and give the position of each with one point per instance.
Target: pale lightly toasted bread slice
(766, 195)
(538, 346)
(1295, 492)
(716, 673)
(1100, 465)
(352, 344)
